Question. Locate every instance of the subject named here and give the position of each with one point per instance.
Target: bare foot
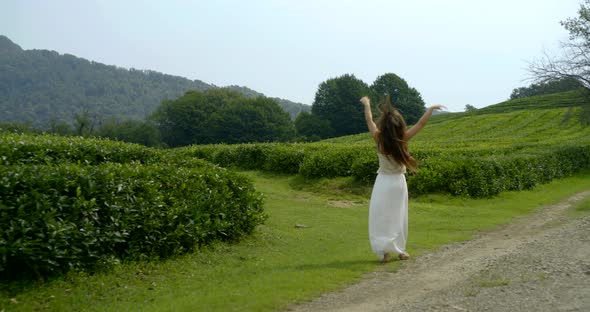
(404, 256)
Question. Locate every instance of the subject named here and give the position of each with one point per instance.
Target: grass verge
(581, 207)
(315, 241)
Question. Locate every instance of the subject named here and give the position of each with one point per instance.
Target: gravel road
(540, 262)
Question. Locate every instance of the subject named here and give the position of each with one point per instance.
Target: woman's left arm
(410, 133)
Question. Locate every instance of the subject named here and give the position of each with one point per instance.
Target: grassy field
(495, 131)
(315, 241)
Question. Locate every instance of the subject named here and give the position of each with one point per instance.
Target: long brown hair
(390, 141)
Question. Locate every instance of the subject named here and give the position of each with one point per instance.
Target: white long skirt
(388, 214)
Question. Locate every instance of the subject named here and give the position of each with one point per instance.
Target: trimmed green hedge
(62, 208)
(463, 172)
(333, 161)
(310, 160)
(484, 177)
(50, 149)
(55, 218)
(272, 157)
(284, 159)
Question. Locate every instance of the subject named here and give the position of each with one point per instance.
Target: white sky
(454, 52)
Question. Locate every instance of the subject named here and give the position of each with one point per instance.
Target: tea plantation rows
(80, 204)
(477, 155)
(73, 203)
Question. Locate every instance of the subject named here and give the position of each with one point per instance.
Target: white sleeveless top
(389, 166)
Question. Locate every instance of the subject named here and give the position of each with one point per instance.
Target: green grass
(581, 207)
(563, 99)
(514, 132)
(491, 133)
(282, 264)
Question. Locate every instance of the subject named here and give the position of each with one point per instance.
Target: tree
(575, 61)
(187, 120)
(221, 116)
(246, 120)
(133, 131)
(408, 100)
(83, 123)
(16, 127)
(59, 127)
(312, 128)
(337, 101)
(470, 108)
(549, 87)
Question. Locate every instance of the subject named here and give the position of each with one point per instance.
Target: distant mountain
(39, 86)
(7, 46)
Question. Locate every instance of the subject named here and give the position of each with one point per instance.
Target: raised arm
(410, 133)
(369, 117)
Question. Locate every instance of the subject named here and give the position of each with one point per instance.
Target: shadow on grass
(346, 265)
(332, 186)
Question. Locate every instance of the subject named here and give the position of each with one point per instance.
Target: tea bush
(330, 161)
(484, 177)
(73, 203)
(461, 171)
(476, 155)
(285, 159)
(66, 216)
(272, 157)
(50, 149)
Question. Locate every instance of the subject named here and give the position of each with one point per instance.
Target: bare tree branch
(574, 61)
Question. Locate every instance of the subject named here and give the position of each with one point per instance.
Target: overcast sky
(454, 52)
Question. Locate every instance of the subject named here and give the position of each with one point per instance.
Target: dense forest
(221, 116)
(43, 87)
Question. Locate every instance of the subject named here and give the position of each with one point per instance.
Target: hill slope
(39, 85)
(540, 120)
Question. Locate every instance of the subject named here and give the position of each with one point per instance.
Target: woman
(388, 210)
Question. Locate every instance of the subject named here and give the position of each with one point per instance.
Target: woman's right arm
(369, 117)
(410, 133)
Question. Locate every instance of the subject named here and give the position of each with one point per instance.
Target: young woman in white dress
(388, 210)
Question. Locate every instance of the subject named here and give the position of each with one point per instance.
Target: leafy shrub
(245, 156)
(61, 217)
(48, 149)
(251, 156)
(484, 177)
(330, 161)
(226, 156)
(285, 159)
(16, 127)
(272, 157)
(365, 167)
(464, 171)
(74, 203)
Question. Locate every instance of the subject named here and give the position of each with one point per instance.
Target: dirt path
(540, 262)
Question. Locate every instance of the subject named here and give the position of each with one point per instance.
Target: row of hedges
(271, 157)
(311, 160)
(464, 172)
(49, 149)
(60, 213)
(486, 176)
